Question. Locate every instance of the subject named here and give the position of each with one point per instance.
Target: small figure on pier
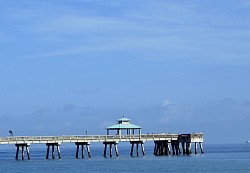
(11, 133)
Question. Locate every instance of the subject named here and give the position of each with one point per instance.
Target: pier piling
(78, 144)
(183, 148)
(162, 148)
(201, 147)
(173, 147)
(52, 145)
(132, 149)
(110, 148)
(18, 146)
(137, 148)
(195, 148)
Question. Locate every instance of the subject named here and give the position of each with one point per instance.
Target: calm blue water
(217, 158)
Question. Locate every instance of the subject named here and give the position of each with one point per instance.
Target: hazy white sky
(168, 65)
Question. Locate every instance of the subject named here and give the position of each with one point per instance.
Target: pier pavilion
(124, 124)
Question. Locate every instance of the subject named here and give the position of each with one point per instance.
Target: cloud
(223, 110)
(174, 113)
(68, 107)
(42, 111)
(246, 2)
(166, 30)
(166, 103)
(224, 115)
(71, 24)
(67, 124)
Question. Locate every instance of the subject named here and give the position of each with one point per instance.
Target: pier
(180, 143)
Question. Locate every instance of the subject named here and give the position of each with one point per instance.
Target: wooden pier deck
(88, 138)
(162, 143)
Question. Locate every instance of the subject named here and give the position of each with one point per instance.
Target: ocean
(217, 158)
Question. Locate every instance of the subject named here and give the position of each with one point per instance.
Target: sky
(168, 65)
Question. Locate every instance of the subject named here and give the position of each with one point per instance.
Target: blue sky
(168, 65)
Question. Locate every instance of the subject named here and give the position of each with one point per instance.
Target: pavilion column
(120, 133)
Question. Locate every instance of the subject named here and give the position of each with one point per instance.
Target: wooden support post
(82, 151)
(110, 150)
(169, 149)
(22, 152)
(173, 147)
(105, 150)
(132, 149)
(47, 153)
(53, 152)
(88, 150)
(137, 150)
(17, 151)
(189, 148)
(177, 147)
(201, 148)
(116, 150)
(155, 148)
(161, 149)
(77, 150)
(183, 148)
(164, 147)
(58, 151)
(28, 151)
(195, 148)
(142, 149)
(158, 149)
(166, 150)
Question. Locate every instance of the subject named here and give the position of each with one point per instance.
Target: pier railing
(87, 138)
(99, 138)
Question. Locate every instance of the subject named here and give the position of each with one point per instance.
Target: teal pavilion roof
(123, 123)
